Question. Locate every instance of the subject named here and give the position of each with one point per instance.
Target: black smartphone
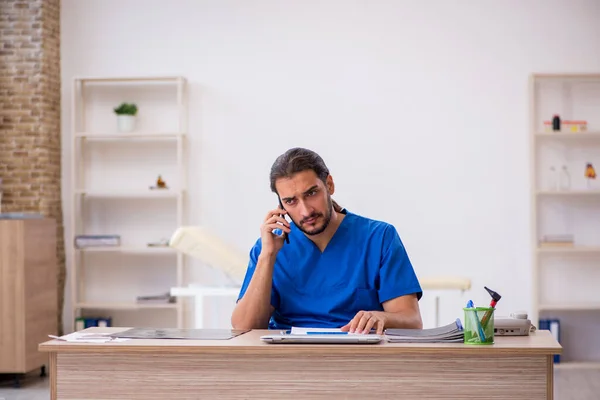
(285, 235)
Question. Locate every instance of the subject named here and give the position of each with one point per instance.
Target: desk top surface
(540, 342)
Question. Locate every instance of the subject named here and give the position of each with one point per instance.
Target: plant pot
(126, 123)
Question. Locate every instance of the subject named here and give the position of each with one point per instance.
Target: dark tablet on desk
(173, 333)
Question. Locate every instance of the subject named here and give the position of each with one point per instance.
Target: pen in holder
(474, 332)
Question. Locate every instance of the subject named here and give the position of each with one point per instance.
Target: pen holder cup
(479, 325)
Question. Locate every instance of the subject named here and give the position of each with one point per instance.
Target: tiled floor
(33, 387)
(569, 384)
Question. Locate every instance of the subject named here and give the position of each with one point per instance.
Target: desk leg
(437, 311)
(199, 312)
(550, 378)
(53, 376)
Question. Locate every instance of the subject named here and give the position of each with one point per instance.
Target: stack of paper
(87, 337)
(557, 240)
(444, 334)
(157, 299)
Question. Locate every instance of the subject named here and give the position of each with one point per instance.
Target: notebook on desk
(319, 336)
(451, 333)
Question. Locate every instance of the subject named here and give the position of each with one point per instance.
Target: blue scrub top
(363, 265)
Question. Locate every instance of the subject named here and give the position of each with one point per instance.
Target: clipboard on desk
(191, 334)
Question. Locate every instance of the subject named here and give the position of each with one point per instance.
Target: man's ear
(330, 185)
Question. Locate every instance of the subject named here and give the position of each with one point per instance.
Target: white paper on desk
(86, 337)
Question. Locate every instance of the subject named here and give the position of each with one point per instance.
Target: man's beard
(327, 219)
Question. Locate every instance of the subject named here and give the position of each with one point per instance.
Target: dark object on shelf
(556, 123)
(160, 184)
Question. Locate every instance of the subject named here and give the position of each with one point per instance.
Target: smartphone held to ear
(285, 235)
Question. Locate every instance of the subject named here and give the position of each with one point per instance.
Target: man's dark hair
(297, 160)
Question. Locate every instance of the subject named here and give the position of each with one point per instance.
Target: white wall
(419, 108)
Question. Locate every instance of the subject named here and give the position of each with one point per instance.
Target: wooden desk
(245, 368)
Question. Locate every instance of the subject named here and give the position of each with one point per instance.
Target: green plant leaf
(126, 109)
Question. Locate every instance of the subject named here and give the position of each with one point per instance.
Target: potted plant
(126, 116)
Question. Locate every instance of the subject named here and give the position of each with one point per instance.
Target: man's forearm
(254, 310)
(403, 319)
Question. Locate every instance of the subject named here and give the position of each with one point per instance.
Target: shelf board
(570, 250)
(577, 365)
(568, 135)
(570, 307)
(128, 250)
(583, 192)
(124, 306)
(566, 76)
(108, 79)
(150, 194)
(130, 136)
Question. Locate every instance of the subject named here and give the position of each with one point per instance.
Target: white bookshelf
(565, 278)
(111, 177)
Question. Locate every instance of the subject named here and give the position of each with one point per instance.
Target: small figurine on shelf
(590, 173)
(160, 184)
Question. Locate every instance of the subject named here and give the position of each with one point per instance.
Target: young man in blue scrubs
(338, 269)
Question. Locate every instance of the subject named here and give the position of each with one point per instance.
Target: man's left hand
(364, 321)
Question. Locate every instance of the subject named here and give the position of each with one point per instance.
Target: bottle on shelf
(556, 123)
(564, 179)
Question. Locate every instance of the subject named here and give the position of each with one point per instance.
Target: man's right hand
(272, 243)
(254, 309)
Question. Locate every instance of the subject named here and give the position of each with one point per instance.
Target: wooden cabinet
(28, 292)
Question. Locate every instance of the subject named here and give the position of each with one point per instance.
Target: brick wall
(30, 146)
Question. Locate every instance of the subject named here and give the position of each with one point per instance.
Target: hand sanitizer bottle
(565, 178)
(556, 123)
